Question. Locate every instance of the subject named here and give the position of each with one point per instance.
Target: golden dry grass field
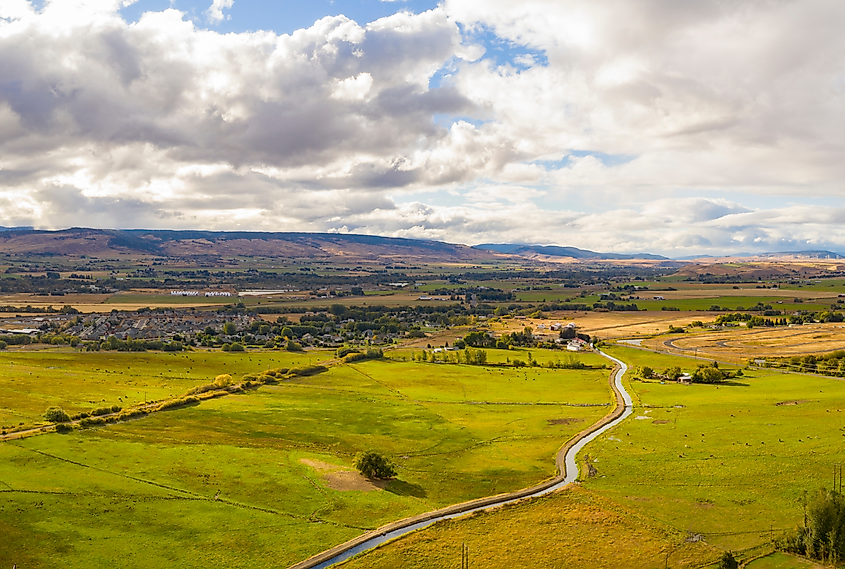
(605, 325)
(568, 529)
(741, 344)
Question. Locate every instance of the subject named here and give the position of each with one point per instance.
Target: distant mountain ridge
(556, 251)
(284, 245)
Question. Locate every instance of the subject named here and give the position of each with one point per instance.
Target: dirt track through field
(567, 473)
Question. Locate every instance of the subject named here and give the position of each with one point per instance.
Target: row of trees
(469, 356)
(832, 363)
(804, 317)
(822, 536)
(704, 373)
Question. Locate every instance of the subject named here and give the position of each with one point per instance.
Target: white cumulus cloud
(215, 13)
(627, 124)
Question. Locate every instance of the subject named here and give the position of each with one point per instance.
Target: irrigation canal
(568, 474)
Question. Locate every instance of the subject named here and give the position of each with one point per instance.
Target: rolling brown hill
(98, 243)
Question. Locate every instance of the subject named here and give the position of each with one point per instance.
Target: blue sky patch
(446, 120)
(609, 160)
(503, 52)
(280, 16)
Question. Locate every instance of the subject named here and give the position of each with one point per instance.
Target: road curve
(567, 473)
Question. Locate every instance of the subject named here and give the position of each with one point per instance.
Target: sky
(661, 126)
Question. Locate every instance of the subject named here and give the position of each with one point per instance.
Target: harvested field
(343, 478)
(564, 421)
(741, 344)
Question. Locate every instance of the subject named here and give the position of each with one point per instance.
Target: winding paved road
(567, 473)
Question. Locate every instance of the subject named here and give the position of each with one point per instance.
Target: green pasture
(731, 303)
(32, 381)
(838, 285)
(779, 560)
(142, 493)
(726, 461)
(557, 294)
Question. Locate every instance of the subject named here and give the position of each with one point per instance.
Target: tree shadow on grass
(730, 383)
(402, 488)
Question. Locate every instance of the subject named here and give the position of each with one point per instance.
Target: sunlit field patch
(232, 481)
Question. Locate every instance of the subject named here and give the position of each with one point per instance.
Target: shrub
(63, 428)
(3, 345)
(176, 403)
(373, 465)
(222, 380)
(131, 414)
(278, 372)
(236, 347)
(346, 350)
(91, 421)
(370, 354)
(307, 370)
(292, 346)
(56, 415)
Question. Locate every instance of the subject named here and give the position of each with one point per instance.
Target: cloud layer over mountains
(620, 125)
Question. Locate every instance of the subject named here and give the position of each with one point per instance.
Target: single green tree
(673, 373)
(230, 329)
(728, 561)
(373, 465)
(707, 374)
